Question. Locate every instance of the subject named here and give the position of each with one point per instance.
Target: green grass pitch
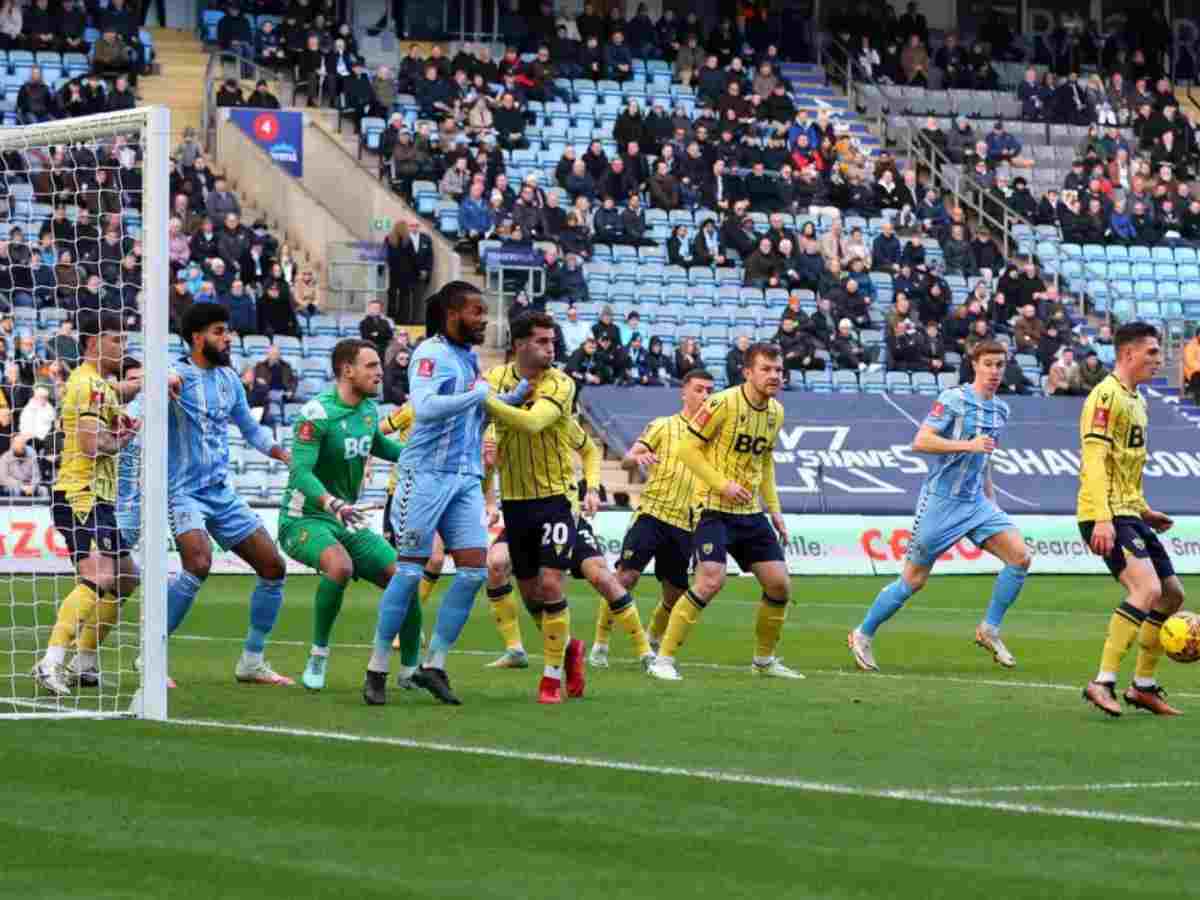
(946, 776)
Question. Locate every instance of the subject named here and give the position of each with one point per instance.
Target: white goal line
(929, 797)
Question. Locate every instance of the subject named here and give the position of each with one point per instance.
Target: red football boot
(576, 669)
(550, 690)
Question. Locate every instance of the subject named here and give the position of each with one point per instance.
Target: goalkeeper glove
(517, 395)
(346, 513)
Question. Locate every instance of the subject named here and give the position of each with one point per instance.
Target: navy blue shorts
(586, 547)
(669, 546)
(540, 535)
(84, 533)
(749, 539)
(1134, 538)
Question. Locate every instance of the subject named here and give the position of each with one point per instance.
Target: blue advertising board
(852, 453)
(279, 133)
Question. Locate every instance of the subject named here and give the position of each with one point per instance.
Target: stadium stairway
(179, 83)
(813, 94)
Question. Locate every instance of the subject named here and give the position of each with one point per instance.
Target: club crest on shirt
(425, 368)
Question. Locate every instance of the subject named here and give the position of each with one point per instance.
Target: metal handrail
(217, 58)
(920, 148)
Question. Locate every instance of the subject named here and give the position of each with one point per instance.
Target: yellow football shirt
(739, 442)
(668, 493)
(1112, 431)
(83, 479)
(399, 423)
(536, 466)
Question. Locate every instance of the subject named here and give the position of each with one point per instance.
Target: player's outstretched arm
(929, 441)
(386, 448)
(544, 413)
(256, 434)
(429, 403)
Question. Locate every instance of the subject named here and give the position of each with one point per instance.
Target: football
(1180, 637)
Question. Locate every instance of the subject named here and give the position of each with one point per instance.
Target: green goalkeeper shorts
(305, 539)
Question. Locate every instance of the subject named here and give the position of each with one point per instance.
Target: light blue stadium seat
(820, 381)
(1185, 255)
(873, 382)
(924, 383)
(899, 383)
(947, 380)
(1139, 252)
(845, 381)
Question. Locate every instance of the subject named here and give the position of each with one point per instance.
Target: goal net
(83, 325)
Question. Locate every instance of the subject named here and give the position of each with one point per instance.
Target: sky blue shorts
(428, 503)
(941, 523)
(215, 509)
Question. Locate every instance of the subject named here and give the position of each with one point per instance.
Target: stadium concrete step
(182, 61)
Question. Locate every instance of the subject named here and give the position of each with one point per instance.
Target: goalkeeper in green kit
(319, 524)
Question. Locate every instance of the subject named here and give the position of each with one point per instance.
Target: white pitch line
(723, 667)
(932, 798)
(1060, 788)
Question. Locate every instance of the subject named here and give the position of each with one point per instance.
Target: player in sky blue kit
(957, 501)
(439, 485)
(207, 397)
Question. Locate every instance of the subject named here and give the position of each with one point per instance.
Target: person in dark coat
(410, 265)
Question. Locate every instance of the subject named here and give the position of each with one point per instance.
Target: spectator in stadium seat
(243, 311)
(687, 357)
(122, 96)
(221, 201)
(762, 265)
(276, 315)
(1028, 330)
(956, 252)
(664, 188)
(618, 59)
(234, 239)
(71, 31)
(1064, 375)
(270, 46)
(606, 326)
(846, 350)
(270, 384)
(396, 378)
(574, 331)
(798, 347)
(376, 328)
(914, 63)
(63, 345)
(886, 250)
(111, 55)
(902, 308)
(38, 417)
(576, 237)
(566, 281)
(855, 247)
(314, 78)
(904, 352)
(1002, 147)
(933, 348)
(205, 243)
(20, 474)
(586, 366)
(1189, 368)
(1091, 372)
(254, 267)
(35, 102)
(235, 33)
(851, 302)
(735, 361)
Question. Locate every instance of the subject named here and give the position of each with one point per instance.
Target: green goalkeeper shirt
(330, 447)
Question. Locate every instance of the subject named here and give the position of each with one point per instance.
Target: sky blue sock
(455, 610)
(181, 593)
(886, 605)
(393, 606)
(1008, 585)
(264, 610)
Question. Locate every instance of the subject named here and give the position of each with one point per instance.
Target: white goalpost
(85, 229)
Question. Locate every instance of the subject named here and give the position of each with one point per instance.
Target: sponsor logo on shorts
(410, 540)
(628, 554)
(1138, 544)
(706, 549)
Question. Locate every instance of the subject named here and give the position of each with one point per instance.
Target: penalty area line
(1099, 787)
(716, 776)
